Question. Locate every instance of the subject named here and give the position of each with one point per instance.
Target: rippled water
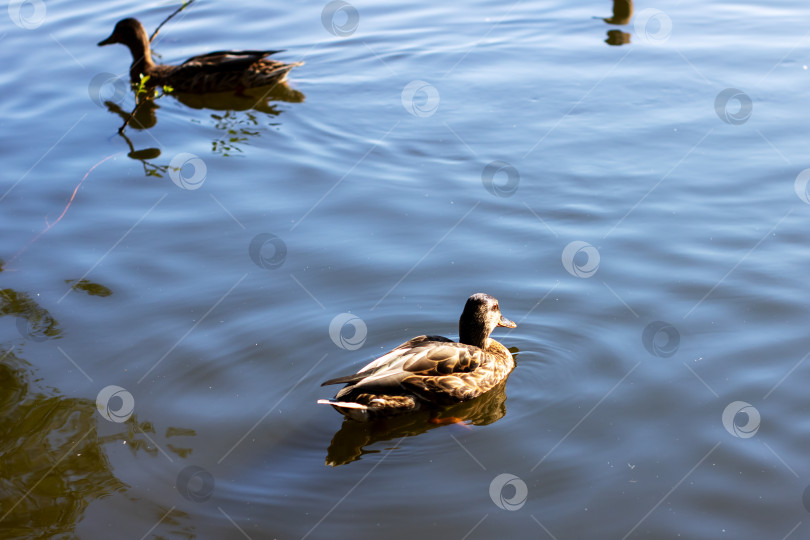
(634, 195)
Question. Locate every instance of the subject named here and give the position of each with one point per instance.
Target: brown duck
(430, 370)
(219, 71)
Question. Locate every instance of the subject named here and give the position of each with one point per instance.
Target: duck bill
(506, 323)
(108, 41)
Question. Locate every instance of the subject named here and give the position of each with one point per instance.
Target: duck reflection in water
(622, 13)
(352, 440)
(254, 99)
(237, 124)
(617, 37)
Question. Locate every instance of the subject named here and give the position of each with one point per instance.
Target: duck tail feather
(353, 378)
(343, 404)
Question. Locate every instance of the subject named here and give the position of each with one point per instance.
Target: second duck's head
(480, 317)
(129, 32)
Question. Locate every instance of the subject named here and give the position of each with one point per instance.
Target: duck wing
(420, 358)
(224, 61)
(387, 362)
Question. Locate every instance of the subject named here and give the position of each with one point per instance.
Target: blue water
(431, 152)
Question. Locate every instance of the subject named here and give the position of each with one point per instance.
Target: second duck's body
(431, 370)
(219, 71)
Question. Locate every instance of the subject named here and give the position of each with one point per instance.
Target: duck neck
(477, 338)
(142, 62)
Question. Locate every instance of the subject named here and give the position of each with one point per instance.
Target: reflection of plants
(52, 464)
(235, 132)
(85, 285)
(38, 322)
(139, 437)
(52, 460)
(179, 432)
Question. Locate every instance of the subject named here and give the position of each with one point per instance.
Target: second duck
(220, 71)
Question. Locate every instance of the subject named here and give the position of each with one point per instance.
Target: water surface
(644, 225)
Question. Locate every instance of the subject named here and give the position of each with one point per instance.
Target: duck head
(126, 31)
(130, 32)
(480, 317)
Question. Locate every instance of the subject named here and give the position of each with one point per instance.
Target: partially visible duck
(430, 370)
(219, 71)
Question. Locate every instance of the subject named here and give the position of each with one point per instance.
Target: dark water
(640, 210)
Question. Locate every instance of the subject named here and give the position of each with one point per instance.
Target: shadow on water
(53, 461)
(352, 439)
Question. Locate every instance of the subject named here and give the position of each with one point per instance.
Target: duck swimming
(219, 71)
(430, 370)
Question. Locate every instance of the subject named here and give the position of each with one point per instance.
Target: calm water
(639, 209)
